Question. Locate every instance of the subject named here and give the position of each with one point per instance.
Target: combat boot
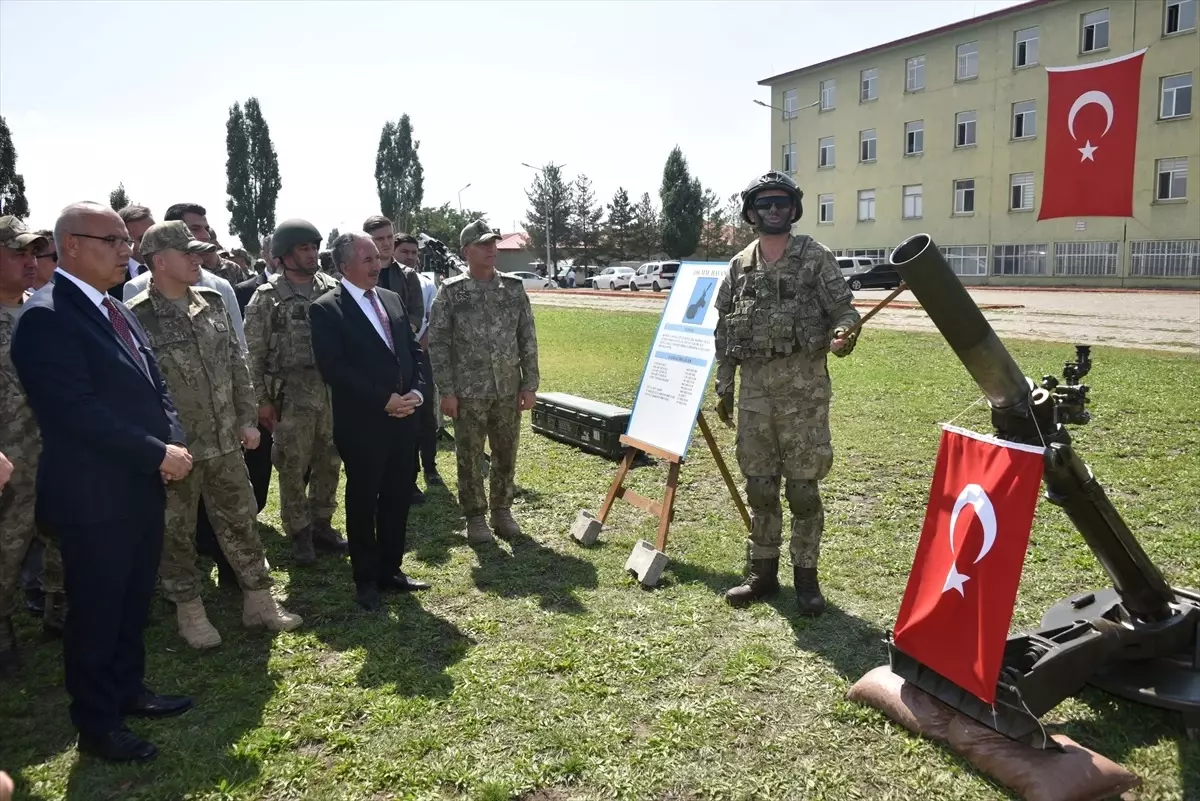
(808, 591)
(260, 610)
(302, 547)
(504, 524)
(326, 538)
(10, 657)
(55, 617)
(478, 531)
(763, 582)
(194, 626)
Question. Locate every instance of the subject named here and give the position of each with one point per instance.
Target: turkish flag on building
(963, 586)
(1091, 139)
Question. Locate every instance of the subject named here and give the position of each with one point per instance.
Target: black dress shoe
(367, 596)
(118, 745)
(434, 479)
(150, 705)
(401, 583)
(35, 602)
(418, 497)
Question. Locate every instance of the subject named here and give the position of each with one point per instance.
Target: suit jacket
(245, 290)
(360, 369)
(105, 420)
(407, 284)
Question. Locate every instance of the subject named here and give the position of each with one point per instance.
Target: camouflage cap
(173, 234)
(476, 234)
(15, 236)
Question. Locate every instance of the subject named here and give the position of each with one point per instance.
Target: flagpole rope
(960, 415)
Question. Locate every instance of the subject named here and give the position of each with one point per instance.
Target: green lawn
(539, 670)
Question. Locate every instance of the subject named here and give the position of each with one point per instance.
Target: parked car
(533, 280)
(655, 275)
(612, 278)
(851, 265)
(879, 276)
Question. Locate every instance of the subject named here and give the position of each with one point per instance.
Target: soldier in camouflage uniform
(201, 361)
(782, 308)
(483, 347)
(293, 401)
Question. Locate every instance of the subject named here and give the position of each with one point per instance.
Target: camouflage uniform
(284, 374)
(21, 443)
(231, 271)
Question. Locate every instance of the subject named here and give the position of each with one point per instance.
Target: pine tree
(682, 207)
(117, 198)
(618, 228)
(714, 236)
(549, 194)
(585, 222)
(399, 177)
(647, 229)
(252, 175)
(12, 183)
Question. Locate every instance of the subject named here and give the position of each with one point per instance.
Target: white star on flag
(1087, 150)
(955, 580)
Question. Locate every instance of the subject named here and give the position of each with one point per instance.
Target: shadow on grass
(435, 527)
(533, 570)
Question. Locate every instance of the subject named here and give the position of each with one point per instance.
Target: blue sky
(98, 93)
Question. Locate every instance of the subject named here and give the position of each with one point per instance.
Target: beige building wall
(995, 156)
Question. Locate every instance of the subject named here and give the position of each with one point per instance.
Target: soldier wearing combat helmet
(782, 308)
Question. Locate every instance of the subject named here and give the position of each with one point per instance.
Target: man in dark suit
(367, 354)
(110, 438)
(138, 220)
(258, 461)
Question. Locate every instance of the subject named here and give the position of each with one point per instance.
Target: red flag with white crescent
(963, 587)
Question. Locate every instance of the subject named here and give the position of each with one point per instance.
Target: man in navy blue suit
(110, 439)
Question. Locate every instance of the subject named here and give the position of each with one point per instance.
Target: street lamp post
(547, 214)
(460, 211)
(788, 117)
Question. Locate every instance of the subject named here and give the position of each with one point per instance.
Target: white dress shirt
(364, 303)
(135, 267)
(98, 297)
(428, 293)
(211, 281)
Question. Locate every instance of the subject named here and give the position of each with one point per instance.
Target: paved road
(1155, 320)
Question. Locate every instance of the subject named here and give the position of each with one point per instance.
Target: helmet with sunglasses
(772, 180)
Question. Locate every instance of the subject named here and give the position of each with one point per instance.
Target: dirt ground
(1154, 320)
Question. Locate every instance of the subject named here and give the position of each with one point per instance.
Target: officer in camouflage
(782, 308)
(200, 358)
(483, 347)
(293, 401)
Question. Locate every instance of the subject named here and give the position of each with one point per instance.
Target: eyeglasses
(768, 203)
(51, 256)
(111, 239)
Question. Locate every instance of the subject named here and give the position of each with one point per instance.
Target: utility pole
(788, 117)
(460, 211)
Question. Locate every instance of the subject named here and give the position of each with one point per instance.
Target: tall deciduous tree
(252, 175)
(399, 177)
(118, 198)
(740, 232)
(714, 236)
(618, 228)
(647, 229)
(585, 222)
(550, 196)
(444, 223)
(12, 183)
(682, 207)
(332, 236)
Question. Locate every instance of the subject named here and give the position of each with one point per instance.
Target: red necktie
(121, 326)
(383, 320)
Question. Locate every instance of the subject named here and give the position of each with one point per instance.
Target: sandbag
(911, 707)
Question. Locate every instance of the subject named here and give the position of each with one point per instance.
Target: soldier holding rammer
(201, 361)
(783, 307)
(293, 401)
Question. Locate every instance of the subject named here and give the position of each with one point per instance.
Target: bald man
(111, 438)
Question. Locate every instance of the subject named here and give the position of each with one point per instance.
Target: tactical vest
(290, 346)
(775, 311)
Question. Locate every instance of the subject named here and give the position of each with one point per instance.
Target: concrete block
(647, 563)
(586, 528)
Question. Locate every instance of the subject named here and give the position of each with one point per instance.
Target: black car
(880, 276)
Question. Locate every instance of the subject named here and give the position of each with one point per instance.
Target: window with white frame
(1165, 258)
(964, 128)
(789, 104)
(866, 205)
(1179, 16)
(878, 254)
(1019, 259)
(866, 145)
(1176, 96)
(914, 70)
(964, 196)
(825, 151)
(966, 259)
(967, 61)
(914, 138)
(1021, 192)
(1024, 116)
(828, 94)
(1172, 179)
(1086, 258)
(789, 158)
(913, 201)
(1025, 48)
(825, 209)
(1095, 31)
(868, 85)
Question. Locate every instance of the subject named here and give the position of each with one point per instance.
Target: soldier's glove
(725, 408)
(842, 344)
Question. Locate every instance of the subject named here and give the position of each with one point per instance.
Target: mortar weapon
(440, 258)
(698, 304)
(1140, 638)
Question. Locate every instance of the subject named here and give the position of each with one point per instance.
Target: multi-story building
(944, 133)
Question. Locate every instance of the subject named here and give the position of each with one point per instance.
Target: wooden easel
(664, 511)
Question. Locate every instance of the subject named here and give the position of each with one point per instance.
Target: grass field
(538, 670)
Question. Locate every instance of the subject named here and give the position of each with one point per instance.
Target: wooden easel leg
(725, 474)
(668, 507)
(618, 480)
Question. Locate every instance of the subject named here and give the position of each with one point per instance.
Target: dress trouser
(426, 415)
(378, 464)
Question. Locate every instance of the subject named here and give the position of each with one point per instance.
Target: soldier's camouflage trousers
(17, 504)
(498, 420)
(229, 500)
(766, 519)
(304, 440)
(52, 568)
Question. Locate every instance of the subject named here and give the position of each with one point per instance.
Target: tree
(117, 198)
(584, 222)
(12, 183)
(714, 235)
(618, 228)
(332, 236)
(399, 177)
(740, 232)
(549, 195)
(682, 207)
(444, 223)
(252, 175)
(647, 229)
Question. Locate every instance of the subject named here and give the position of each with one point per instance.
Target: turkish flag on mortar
(963, 586)
(1091, 138)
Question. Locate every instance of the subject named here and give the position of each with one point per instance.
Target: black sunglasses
(52, 256)
(768, 203)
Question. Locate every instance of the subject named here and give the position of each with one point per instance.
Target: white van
(851, 265)
(655, 275)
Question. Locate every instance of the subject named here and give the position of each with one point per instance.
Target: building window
(1172, 179)
(1180, 16)
(1165, 258)
(868, 82)
(914, 69)
(878, 254)
(1025, 48)
(789, 158)
(866, 145)
(964, 196)
(825, 209)
(828, 94)
(912, 201)
(825, 152)
(914, 138)
(964, 128)
(789, 104)
(1024, 116)
(968, 61)
(1021, 193)
(866, 205)
(1176, 96)
(1086, 258)
(1095, 31)
(1019, 259)
(966, 259)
